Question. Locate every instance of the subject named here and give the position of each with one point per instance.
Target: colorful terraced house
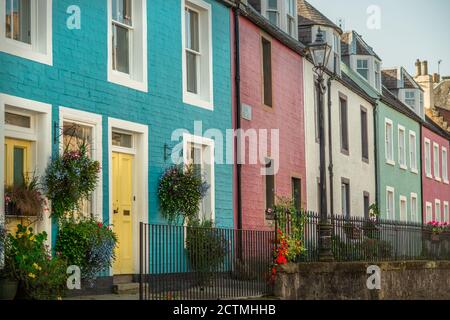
(123, 78)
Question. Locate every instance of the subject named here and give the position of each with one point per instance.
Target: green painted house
(398, 169)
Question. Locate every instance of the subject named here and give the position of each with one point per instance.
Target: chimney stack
(436, 78)
(424, 68)
(418, 68)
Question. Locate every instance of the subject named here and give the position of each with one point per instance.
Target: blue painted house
(125, 75)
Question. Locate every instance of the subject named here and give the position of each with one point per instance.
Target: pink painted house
(435, 173)
(271, 98)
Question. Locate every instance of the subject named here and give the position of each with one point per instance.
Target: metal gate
(194, 263)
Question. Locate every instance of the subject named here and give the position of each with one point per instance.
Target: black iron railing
(183, 263)
(361, 239)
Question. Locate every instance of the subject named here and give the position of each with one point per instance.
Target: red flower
(100, 225)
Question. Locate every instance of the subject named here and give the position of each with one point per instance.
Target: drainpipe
(375, 150)
(237, 71)
(330, 150)
(420, 172)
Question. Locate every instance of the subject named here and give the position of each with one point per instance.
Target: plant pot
(8, 289)
(435, 237)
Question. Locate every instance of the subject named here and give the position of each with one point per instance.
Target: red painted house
(270, 100)
(435, 173)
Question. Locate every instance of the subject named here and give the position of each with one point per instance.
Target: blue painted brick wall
(78, 79)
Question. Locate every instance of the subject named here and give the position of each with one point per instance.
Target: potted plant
(88, 244)
(29, 263)
(436, 229)
(8, 285)
(25, 200)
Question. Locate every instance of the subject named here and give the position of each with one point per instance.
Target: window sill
(25, 51)
(403, 167)
(390, 162)
(365, 160)
(446, 182)
(429, 176)
(438, 179)
(414, 171)
(345, 152)
(125, 80)
(196, 101)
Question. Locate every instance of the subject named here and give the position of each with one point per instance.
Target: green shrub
(206, 248)
(87, 244)
(29, 261)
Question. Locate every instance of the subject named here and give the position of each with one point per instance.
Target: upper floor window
(267, 71)
(26, 29)
(389, 141)
(291, 13)
(437, 175)
(362, 67)
(377, 76)
(412, 151)
(343, 111)
(364, 135)
(197, 54)
(427, 152)
(402, 147)
(272, 12)
(127, 38)
(410, 98)
(444, 165)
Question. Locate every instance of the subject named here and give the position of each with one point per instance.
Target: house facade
(136, 80)
(272, 117)
(397, 134)
(435, 177)
(349, 128)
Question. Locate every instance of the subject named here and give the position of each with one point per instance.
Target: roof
(433, 126)
(352, 85)
(445, 113)
(254, 16)
(389, 79)
(310, 16)
(392, 101)
(353, 43)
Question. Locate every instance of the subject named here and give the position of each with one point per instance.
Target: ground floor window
(199, 152)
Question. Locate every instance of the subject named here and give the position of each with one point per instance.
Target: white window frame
(436, 162)
(205, 98)
(390, 190)
(206, 142)
(428, 212)
(437, 213)
(294, 18)
(414, 204)
(403, 164)
(446, 212)
(403, 215)
(40, 49)
(94, 121)
(265, 9)
(444, 165)
(391, 160)
(413, 152)
(377, 75)
(427, 156)
(41, 136)
(367, 68)
(138, 77)
(413, 100)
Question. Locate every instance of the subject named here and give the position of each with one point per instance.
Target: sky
(408, 29)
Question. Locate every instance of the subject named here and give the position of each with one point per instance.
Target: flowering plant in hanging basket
(69, 179)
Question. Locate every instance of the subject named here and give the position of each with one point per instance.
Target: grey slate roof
(309, 16)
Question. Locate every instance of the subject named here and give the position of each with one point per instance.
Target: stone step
(122, 278)
(126, 288)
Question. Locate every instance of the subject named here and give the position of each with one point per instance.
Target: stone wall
(340, 281)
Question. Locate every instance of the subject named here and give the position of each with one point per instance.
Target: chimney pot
(436, 78)
(425, 68)
(418, 68)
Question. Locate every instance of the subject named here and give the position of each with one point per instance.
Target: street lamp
(319, 52)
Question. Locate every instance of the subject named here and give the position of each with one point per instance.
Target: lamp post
(320, 52)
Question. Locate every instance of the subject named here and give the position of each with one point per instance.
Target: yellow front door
(122, 175)
(17, 161)
(17, 168)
